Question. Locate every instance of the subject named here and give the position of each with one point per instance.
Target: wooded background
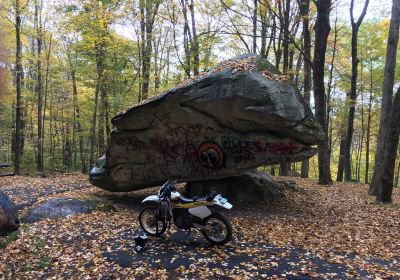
(67, 67)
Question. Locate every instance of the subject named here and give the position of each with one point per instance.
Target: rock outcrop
(236, 117)
(8, 217)
(59, 208)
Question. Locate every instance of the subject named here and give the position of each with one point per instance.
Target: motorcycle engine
(182, 218)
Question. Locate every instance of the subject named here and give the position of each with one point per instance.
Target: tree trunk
(264, 28)
(77, 124)
(396, 182)
(285, 43)
(322, 29)
(195, 42)
(46, 92)
(255, 26)
(284, 169)
(107, 121)
(304, 10)
(147, 22)
(278, 39)
(187, 41)
(102, 119)
(330, 89)
(387, 96)
(392, 141)
(367, 144)
(273, 35)
(353, 90)
(39, 87)
(344, 166)
(361, 142)
(18, 66)
(67, 152)
(142, 46)
(146, 70)
(51, 129)
(299, 64)
(285, 166)
(100, 69)
(158, 64)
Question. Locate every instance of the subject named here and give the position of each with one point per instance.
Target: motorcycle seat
(193, 199)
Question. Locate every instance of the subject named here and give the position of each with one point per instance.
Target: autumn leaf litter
(237, 65)
(340, 225)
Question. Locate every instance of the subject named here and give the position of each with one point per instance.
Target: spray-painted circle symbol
(211, 155)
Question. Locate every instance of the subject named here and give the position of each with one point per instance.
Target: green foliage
(9, 239)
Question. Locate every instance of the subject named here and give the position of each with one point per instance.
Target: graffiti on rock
(211, 156)
(239, 150)
(282, 148)
(195, 146)
(179, 140)
(248, 150)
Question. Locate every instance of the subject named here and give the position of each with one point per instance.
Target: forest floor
(316, 232)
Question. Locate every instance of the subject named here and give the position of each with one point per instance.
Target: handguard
(223, 202)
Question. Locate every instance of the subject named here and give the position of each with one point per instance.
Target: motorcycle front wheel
(216, 229)
(149, 223)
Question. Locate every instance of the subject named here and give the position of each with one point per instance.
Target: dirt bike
(186, 213)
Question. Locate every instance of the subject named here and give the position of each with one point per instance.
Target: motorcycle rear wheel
(147, 221)
(217, 230)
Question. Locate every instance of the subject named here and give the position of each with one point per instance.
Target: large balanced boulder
(236, 117)
(8, 217)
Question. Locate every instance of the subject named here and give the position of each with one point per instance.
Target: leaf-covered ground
(314, 232)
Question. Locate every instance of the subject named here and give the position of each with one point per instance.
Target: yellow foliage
(5, 76)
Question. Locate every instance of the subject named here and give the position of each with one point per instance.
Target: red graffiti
(180, 142)
(177, 140)
(211, 155)
(276, 148)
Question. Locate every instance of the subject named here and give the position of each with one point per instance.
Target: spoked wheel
(217, 229)
(149, 223)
